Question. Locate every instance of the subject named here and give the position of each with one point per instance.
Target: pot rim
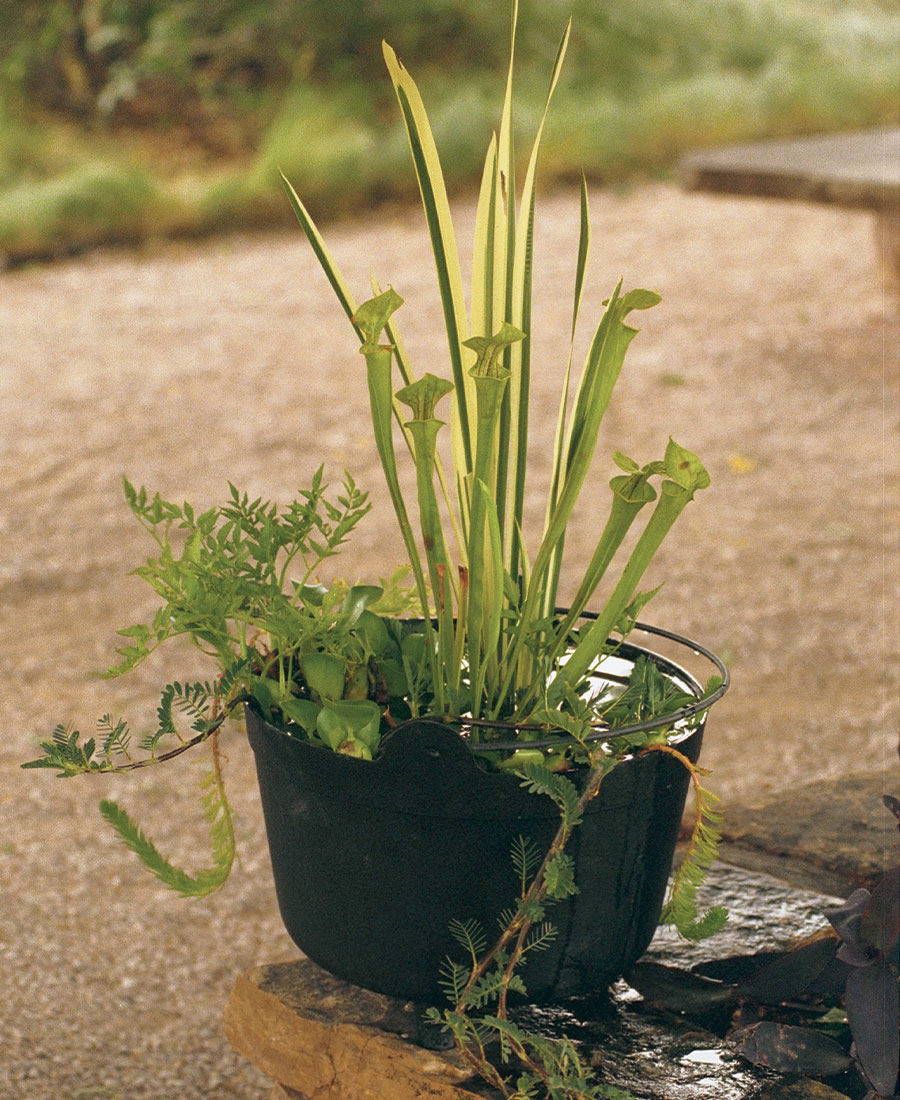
(603, 732)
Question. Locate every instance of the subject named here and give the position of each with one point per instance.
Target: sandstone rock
(322, 1039)
(282, 1092)
(319, 1038)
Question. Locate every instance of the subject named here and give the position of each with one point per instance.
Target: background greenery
(123, 119)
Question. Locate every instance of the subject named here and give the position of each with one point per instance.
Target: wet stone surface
(764, 914)
(667, 1033)
(661, 1035)
(655, 1054)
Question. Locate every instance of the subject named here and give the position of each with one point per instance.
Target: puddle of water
(706, 1057)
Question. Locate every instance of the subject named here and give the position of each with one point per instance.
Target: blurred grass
(646, 80)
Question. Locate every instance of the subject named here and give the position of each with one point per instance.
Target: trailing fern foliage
(224, 579)
(66, 753)
(470, 936)
(526, 858)
(529, 1065)
(538, 779)
(218, 814)
(702, 849)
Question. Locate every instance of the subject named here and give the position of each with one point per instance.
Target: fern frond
(559, 877)
(234, 678)
(219, 816)
(452, 979)
(487, 989)
(526, 857)
(118, 736)
(680, 908)
(512, 1037)
(540, 937)
(538, 779)
(67, 753)
(144, 848)
(530, 909)
(164, 717)
(506, 917)
(217, 812)
(195, 700)
(470, 935)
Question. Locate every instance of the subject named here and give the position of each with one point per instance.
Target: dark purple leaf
(880, 924)
(792, 974)
(871, 999)
(893, 804)
(846, 919)
(831, 981)
(788, 1049)
(855, 956)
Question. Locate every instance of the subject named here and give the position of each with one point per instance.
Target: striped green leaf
(433, 190)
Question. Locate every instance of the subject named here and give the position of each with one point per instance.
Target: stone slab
(282, 1092)
(831, 836)
(859, 169)
(321, 1039)
(326, 1040)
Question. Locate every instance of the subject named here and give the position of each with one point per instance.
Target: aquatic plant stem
(520, 925)
(514, 936)
(423, 429)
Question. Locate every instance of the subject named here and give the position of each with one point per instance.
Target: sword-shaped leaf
(522, 250)
(323, 255)
(559, 455)
(443, 239)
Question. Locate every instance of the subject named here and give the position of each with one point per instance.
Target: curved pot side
(372, 860)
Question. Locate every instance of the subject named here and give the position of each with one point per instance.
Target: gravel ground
(774, 356)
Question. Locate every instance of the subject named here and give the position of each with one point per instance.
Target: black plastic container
(373, 859)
